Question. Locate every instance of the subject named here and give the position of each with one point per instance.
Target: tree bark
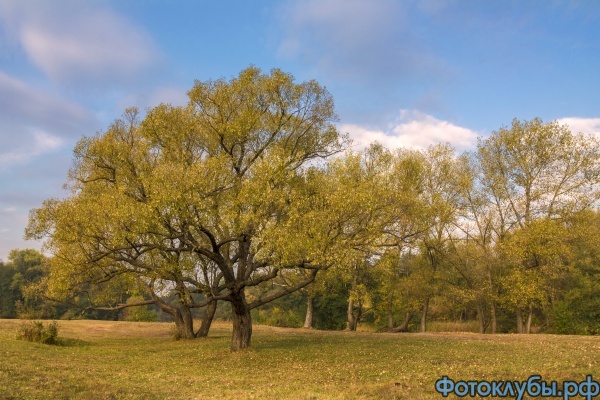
(187, 322)
(211, 308)
(242, 321)
(424, 315)
(352, 320)
(493, 316)
(351, 323)
(390, 313)
(404, 326)
(493, 307)
(182, 315)
(519, 320)
(528, 324)
(184, 327)
(309, 313)
(481, 318)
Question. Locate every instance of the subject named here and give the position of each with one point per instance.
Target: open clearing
(131, 360)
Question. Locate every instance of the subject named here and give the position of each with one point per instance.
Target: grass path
(128, 360)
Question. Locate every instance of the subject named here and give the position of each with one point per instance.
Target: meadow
(133, 360)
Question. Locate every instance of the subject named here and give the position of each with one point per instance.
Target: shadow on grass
(66, 342)
(196, 339)
(288, 343)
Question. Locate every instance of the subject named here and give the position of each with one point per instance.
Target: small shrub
(35, 331)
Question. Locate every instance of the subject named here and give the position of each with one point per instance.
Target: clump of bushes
(35, 331)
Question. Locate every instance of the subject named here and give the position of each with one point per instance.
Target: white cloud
(415, 130)
(78, 41)
(590, 126)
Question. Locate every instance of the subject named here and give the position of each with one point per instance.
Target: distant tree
(474, 254)
(385, 201)
(445, 181)
(573, 290)
(24, 267)
(407, 221)
(137, 314)
(330, 305)
(8, 294)
(397, 296)
(530, 172)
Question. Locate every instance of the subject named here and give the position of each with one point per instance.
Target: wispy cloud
(590, 126)
(12, 221)
(21, 104)
(33, 122)
(355, 38)
(413, 129)
(38, 143)
(176, 96)
(89, 42)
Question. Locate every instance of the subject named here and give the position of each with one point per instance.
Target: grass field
(129, 360)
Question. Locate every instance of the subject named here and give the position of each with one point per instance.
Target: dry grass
(441, 326)
(129, 360)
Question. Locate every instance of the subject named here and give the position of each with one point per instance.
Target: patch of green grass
(134, 360)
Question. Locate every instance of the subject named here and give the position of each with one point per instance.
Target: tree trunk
(404, 326)
(188, 322)
(211, 308)
(242, 322)
(528, 324)
(309, 313)
(519, 320)
(424, 315)
(493, 316)
(481, 318)
(493, 307)
(359, 312)
(390, 313)
(184, 324)
(351, 323)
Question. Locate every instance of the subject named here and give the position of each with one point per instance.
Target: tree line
(249, 196)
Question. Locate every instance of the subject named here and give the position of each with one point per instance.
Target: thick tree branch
(275, 296)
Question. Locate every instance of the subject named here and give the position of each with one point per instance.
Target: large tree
(211, 198)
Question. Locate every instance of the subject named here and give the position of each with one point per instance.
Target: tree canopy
(235, 197)
(211, 198)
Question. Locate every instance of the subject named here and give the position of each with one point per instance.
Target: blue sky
(405, 73)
